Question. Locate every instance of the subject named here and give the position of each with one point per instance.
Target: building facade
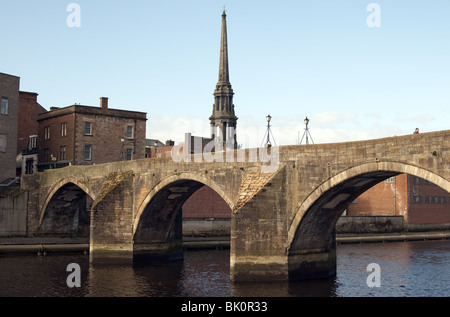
(29, 110)
(155, 148)
(9, 111)
(86, 135)
(417, 200)
(28, 128)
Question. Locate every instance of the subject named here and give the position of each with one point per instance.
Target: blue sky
(288, 58)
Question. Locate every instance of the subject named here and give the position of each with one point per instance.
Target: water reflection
(407, 269)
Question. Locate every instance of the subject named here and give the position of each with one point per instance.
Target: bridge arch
(312, 226)
(66, 208)
(157, 225)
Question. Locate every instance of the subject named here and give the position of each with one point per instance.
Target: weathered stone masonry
(282, 223)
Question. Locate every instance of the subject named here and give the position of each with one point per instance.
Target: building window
(128, 154)
(4, 106)
(3, 142)
(390, 180)
(32, 143)
(87, 152)
(29, 166)
(63, 129)
(47, 133)
(88, 128)
(417, 199)
(129, 133)
(417, 180)
(62, 153)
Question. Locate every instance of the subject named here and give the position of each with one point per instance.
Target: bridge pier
(172, 251)
(302, 265)
(259, 268)
(111, 236)
(312, 265)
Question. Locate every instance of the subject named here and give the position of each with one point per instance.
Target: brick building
(155, 148)
(9, 111)
(417, 200)
(84, 135)
(28, 128)
(29, 110)
(206, 203)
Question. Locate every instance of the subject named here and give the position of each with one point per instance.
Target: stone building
(9, 110)
(85, 135)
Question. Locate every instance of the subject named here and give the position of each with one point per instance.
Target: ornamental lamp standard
(306, 121)
(122, 140)
(268, 132)
(268, 118)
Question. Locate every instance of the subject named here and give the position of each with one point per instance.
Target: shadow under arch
(314, 222)
(66, 210)
(157, 228)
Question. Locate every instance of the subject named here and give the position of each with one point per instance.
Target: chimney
(104, 102)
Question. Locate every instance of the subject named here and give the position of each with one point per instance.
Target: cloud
(327, 127)
(174, 128)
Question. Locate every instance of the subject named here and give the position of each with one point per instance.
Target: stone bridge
(284, 205)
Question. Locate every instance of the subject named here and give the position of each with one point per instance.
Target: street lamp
(306, 121)
(268, 132)
(122, 139)
(268, 118)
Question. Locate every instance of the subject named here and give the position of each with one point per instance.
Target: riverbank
(42, 246)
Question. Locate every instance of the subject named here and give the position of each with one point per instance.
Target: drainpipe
(395, 195)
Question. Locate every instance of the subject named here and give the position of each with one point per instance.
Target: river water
(405, 269)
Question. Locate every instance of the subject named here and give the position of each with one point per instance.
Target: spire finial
(223, 67)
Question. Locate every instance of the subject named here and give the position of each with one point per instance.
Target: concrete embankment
(81, 245)
(42, 246)
(392, 237)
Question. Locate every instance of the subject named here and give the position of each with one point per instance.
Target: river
(419, 268)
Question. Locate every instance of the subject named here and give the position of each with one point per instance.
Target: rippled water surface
(407, 269)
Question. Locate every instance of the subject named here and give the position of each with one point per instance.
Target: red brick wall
(56, 139)
(385, 198)
(108, 127)
(106, 138)
(206, 203)
(163, 151)
(432, 207)
(29, 109)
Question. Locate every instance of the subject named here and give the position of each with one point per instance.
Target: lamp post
(268, 118)
(268, 132)
(306, 121)
(122, 139)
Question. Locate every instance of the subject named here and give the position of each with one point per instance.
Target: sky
(357, 69)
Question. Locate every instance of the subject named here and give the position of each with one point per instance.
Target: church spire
(224, 75)
(223, 119)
